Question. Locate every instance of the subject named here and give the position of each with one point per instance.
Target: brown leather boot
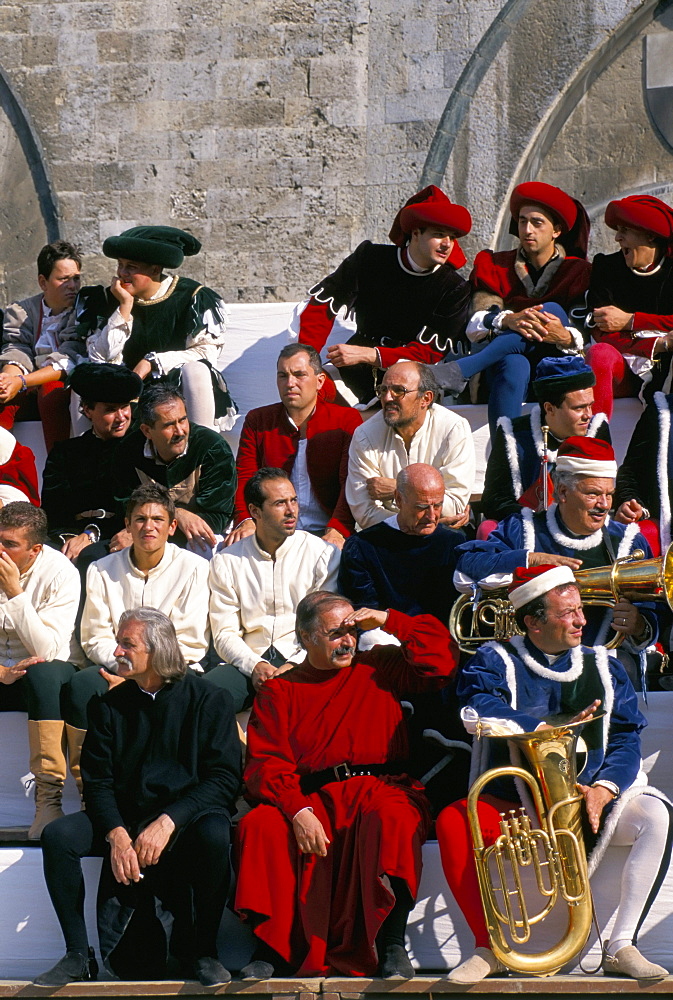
(75, 739)
(46, 739)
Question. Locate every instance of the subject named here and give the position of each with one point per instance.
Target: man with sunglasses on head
(410, 428)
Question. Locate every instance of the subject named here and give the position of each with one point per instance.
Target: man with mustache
(39, 345)
(411, 427)
(194, 463)
(575, 531)
(257, 583)
(330, 856)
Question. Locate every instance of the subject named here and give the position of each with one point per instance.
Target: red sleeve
(315, 324)
(623, 342)
(651, 321)
(20, 471)
(271, 768)
(247, 464)
(342, 519)
(413, 351)
(427, 648)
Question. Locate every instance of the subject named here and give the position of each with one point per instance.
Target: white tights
(643, 826)
(197, 388)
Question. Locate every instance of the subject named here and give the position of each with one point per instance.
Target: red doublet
(494, 272)
(324, 913)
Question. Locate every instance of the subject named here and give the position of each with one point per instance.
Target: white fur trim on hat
(540, 585)
(586, 467)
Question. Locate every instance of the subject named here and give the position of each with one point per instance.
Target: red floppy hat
(432, 207)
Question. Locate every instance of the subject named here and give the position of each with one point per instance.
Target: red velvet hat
(530, 582)
(641, 211)
(586, 456)
(569, 212)
(432, 207)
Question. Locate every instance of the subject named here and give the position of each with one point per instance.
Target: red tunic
(270, 438)
(324, 913)
(19, 471)
(494, 272)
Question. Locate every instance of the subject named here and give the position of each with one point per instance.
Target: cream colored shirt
(178, 586)
(254, 597)
(41, 620)
(444, 440)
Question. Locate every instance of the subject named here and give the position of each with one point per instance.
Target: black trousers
(197, 860)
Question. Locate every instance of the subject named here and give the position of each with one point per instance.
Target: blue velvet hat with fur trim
(566, 374)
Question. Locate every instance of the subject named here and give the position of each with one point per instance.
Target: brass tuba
(474, 621)
(554, 850)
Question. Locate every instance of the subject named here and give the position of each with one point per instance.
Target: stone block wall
(282, 133)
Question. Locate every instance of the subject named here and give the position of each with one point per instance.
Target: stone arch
(29, 216)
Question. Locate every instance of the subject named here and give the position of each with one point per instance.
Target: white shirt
(254, 597)
(177, 585)
(444, 440)
(41, 620)
(312, 517)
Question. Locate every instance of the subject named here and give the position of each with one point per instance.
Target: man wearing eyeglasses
(410, 428)
(330, 856)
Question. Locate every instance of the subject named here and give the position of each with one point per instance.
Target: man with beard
(330, 857)
(410, 428)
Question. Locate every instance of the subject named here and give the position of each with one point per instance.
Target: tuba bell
(477, 618)
(554, 851)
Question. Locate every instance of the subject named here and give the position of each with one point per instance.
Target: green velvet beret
(153, 245)
(103, 383)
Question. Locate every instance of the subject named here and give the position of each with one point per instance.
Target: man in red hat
(630, 300)
(533, 682)
(408, 300)
(575, 531)
(522, 298)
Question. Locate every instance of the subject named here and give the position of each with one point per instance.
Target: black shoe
(395, 963)
(257, 970)
(211, 972)
(72, 968)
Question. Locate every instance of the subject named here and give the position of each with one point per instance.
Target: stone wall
(282, 133)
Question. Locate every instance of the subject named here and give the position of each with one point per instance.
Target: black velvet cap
(162, 245)
(104, 383)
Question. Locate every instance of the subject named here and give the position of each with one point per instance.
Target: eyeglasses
(396, 391)
(339, 633)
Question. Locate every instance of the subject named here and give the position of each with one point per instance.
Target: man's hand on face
(151, 842)
(10, 578)
(366, 618)
(123, 857)
(310, 833)
(121, 540)
(123, 297)
(242, 530)
(345, 355)
(380, 488)
(195, 529)
(73, 546)
(551, 559)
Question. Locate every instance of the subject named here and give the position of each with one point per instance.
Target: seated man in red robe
(330, 858)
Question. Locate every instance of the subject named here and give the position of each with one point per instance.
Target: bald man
(411, 427)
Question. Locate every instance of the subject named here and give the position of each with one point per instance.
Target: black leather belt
(342, 772)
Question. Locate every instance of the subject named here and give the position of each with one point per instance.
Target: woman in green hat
(159, 325)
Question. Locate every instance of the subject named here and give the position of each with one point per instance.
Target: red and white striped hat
(530, 582)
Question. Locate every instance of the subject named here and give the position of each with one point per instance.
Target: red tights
(614, 378)
(455, 846)
(53, 406)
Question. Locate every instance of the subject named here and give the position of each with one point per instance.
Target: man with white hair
(537, 681)
(575, 531)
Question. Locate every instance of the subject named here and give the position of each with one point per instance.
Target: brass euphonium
(474, 621)
(554, 851)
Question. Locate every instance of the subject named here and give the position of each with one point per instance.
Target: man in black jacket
(161, 769)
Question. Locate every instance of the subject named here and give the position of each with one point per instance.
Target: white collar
(571, 674)
(582, 544)
(413, 268)
(149, 452)
(392, 522)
